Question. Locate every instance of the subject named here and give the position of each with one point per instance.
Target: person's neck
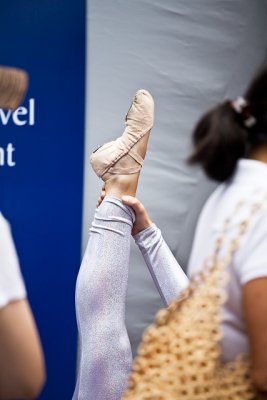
(259, 153)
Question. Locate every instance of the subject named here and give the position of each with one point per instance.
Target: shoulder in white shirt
(249, 184)
(11, 282)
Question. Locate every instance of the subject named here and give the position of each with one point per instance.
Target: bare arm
(21, 360)
(255, 306)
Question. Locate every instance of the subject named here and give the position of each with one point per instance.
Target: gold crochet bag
(179, 357)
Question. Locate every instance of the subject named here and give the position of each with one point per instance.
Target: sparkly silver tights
(106, 355)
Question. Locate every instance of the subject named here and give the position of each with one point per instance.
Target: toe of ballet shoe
(143, 92)
(143, 96)
(141, 112)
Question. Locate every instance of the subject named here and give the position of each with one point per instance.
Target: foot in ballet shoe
(13, 86)
(125, 155)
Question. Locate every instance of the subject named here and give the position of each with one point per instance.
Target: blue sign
(41, 169)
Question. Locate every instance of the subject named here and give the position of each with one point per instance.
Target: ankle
(120, 185)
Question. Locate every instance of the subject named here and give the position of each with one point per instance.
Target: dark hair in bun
(221, 136)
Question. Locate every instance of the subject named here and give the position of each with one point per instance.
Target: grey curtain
(190, 55)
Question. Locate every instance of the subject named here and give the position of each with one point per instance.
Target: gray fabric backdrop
(190, 55)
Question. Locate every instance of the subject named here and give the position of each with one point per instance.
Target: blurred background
(86, 60)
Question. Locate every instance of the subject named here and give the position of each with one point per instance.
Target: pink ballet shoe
(125, 155)
(13, 86)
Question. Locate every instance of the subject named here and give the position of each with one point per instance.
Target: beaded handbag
(179, 357)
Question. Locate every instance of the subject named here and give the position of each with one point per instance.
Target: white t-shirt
(249, 183)
(11, 281)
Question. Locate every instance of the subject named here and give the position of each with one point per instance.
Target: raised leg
(102, 282)
(100, 305)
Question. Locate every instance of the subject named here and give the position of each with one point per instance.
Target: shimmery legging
(106, 356)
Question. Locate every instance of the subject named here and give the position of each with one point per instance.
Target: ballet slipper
(13, 86)
(125, 155)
